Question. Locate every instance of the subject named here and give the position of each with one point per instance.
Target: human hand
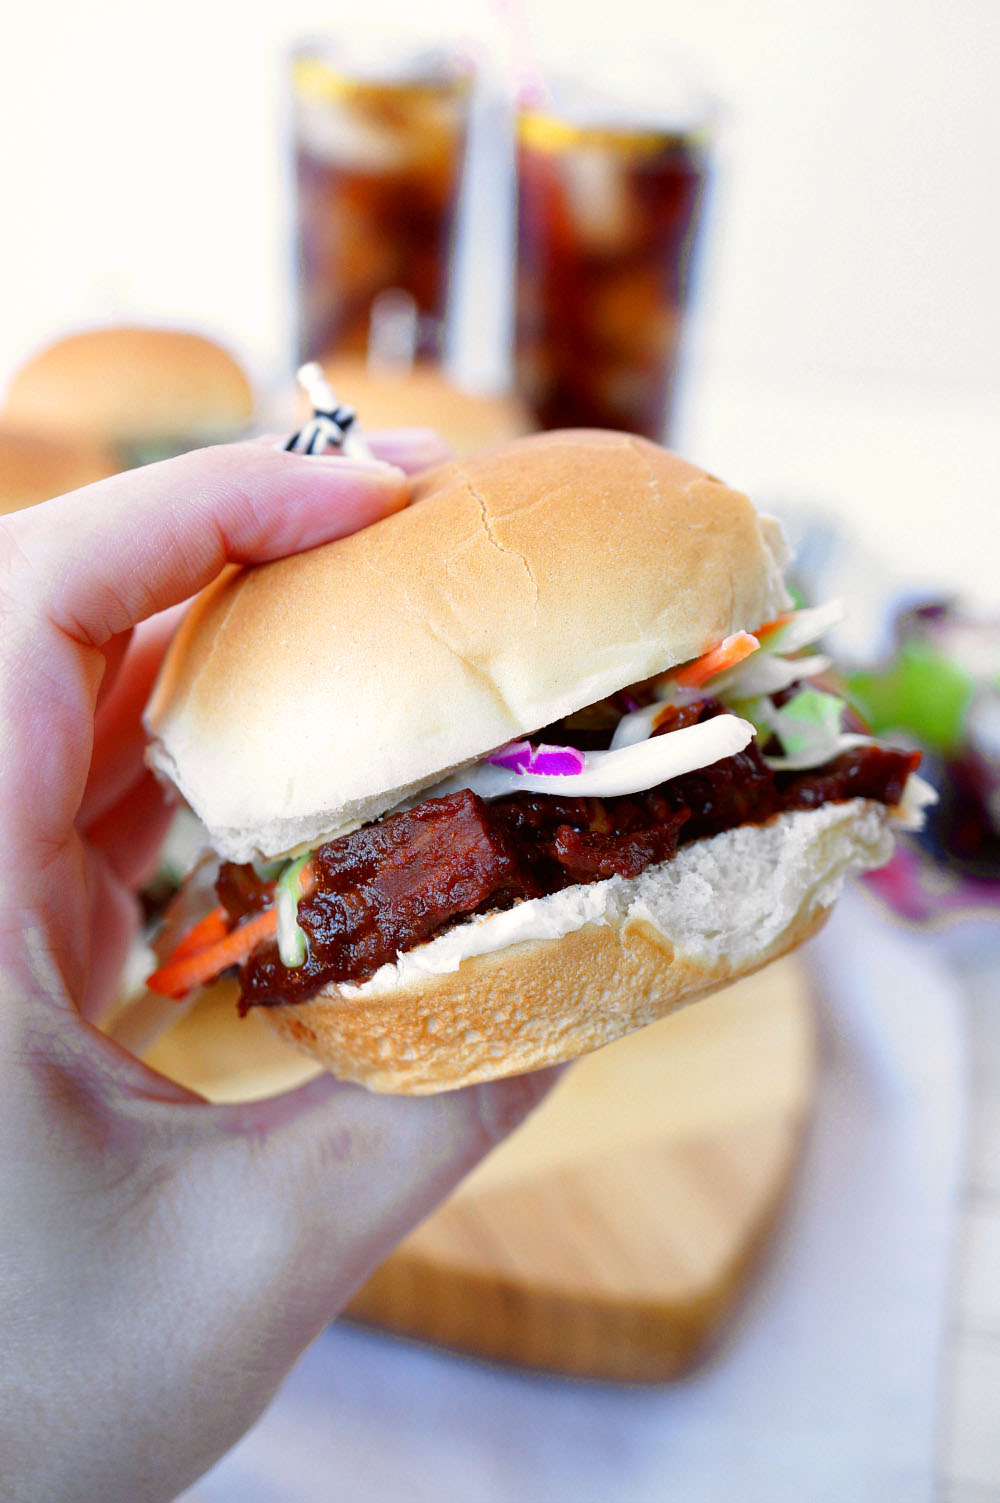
(162, 1261)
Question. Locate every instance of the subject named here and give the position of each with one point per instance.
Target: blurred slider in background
(391, 388)
(142, 393)
(421, 396)
(35, 466)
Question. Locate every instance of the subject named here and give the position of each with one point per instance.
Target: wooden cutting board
(613, 1234)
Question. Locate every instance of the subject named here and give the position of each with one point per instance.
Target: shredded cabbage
(809, 729)
(802, 628)
(766, 673)
(547, 761)
(637, 725)
(292, 945)
(918, 795)
(757, 711)
(629, 769)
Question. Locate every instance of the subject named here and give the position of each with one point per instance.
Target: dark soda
(607, 224)
(377, 170)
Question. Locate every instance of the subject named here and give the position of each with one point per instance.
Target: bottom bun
(589, 963)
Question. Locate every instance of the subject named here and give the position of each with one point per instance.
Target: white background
(852, 267)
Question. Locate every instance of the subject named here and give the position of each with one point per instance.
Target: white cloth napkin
(827, 1389)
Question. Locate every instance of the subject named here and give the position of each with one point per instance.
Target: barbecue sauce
(391, 885)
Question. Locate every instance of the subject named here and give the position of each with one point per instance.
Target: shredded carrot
(208, 949)
(770, 627)
(208, 931)
(728, 653)
(180, 976)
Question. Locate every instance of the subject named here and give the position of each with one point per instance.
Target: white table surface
(970, 1451)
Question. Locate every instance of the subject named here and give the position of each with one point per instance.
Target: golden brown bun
(424, 398)
(303, 697)
(722, 908)
(132, 385)
(33, 468)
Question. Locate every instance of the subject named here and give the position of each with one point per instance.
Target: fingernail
(403, 437)
(418, 448)
(353, 464)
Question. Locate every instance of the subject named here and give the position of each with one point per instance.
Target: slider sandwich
(423, 396)
(145, 393)
(36, 466)
(516, 770)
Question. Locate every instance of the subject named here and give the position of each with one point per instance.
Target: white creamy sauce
(536, 918)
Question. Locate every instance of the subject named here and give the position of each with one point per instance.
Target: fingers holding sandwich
(133, 658)
(78, 573)
(206, 1244)
(116, 552)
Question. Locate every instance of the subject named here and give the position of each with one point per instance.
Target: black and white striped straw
(333, 424)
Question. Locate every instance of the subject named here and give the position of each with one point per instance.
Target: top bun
(132, 385)
(423, 397)
(303, 697)
(33, 468)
